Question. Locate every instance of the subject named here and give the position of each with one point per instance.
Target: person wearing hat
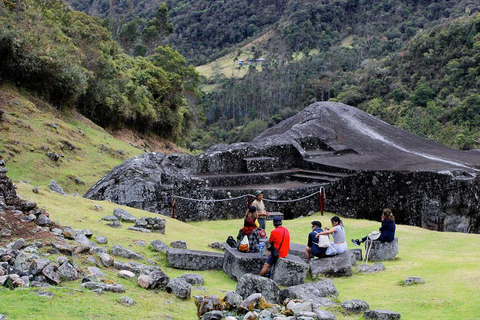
(312, 249)
(280, 239)
(387, 230)
(262, 213)
(252, 213)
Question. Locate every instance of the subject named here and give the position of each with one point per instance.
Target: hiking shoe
(356, 242)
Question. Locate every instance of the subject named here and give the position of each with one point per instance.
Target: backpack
(231, 242)
(244, 247)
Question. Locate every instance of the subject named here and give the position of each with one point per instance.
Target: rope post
(249, 201)
(321, 199)
(174, 204)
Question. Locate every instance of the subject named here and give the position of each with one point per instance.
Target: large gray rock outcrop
(289, 271)
(194, 259)
(250, 283)
(179, 287)
(428, 184)
(118, 250)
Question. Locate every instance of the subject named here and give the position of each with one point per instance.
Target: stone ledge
(236, 263)
(194, 259)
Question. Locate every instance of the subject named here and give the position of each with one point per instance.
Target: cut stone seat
(333, 266)
(194, 259)
(297, 249)
(381, 251)
(288, 271)
(236, 263)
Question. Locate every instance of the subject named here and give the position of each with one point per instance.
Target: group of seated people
(254, 233)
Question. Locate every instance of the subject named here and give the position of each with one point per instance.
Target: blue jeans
(261, 222)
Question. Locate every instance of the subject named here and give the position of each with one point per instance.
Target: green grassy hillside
(31, 128)
(448, 262)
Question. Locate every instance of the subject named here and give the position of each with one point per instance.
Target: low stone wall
(194, 259)
(236, 263)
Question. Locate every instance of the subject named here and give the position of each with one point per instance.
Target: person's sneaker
(356, 242)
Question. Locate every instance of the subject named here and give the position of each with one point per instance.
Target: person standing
(338, 233)
(387, 230)
(261, 212)
(280, 240)
(312, 249)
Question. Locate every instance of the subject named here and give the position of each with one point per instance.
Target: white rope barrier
(243, 196)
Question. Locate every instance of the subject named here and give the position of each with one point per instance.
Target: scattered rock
(5, 233)
(126, 274)
(193, 279)
(155, 280)
(67, 272)
(35, 190)
(117, 288)
(45, 294)
(139, 229)
(56, 188)
(126, 301)
(137, 268)
(179, 287)
(17, 245)
(381, 315)
(207, 304)
(159, 246)
(123, 215)
(118, 250)
(140, 243)
(254, 301)
(88, 233)
(115, 224)
(355, 306)
(96, 272)
(365, 268)
(218, 245)
(233, 300)
(156, 224)
(101, 240)
(318, 292)
(213, 315)
(92, 261)
(62, 247)
(412, 280)
(106, 259)
(51, 273)
(325, 315)
(289, 271)
(53, 155)
(250, 283)
(43, 220)
(179, 244)
(110, 218)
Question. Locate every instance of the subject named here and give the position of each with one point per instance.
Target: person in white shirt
(338, 233)
(261, 212)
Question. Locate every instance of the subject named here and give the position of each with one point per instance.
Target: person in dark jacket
(387, 230)
(250, 230)
(312, 249)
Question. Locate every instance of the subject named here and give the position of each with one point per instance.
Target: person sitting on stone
(312, 249)
(280, 239)
(250, 230)
(252, 213)
(387, 230)
(338, 233)
(262, 213)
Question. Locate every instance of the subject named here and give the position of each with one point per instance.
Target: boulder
(115, 224)
(193, 279)
(213, 315)
(37, 265)
(289, 271)
(118, 250)
(135, 267)
(110, 218)
(194, 259)
(67, 272)
(56, 188)
(333, 266)
(101, 240)
(236, 263)
(381, 315)
(355, 306)
(300, 306)
(17, 245)
(319, 292)
(218, 245)
(88, 233)
(81, 238)
(325, 315)
(139, 229)
(96, 272)
(51, 273)
(233, 300)
(126, 274)
(43, 220)
(357, 254)
(63, 248)
(179, 287)
(250, 283)
(178, 244)
(156, 224)
(155, 280)
(123, 215)
(412, 280)
(159, 246)
(207, 304)
(113, 287)
(126, 301)
(381, 251)
(254, 301)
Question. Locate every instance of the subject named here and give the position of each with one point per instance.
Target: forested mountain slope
(69, 59)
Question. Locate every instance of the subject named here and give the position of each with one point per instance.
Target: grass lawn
(451, 275)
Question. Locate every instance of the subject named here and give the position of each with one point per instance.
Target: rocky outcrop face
(363, 163)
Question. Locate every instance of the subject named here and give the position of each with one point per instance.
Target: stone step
(287, 185)
(312, 178)
(324, 173)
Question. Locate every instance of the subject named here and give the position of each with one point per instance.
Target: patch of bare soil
(20, 229)
(146, 142)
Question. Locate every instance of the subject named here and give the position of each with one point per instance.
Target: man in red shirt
(280, 239)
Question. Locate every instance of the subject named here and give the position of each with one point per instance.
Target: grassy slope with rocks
(446, 261)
